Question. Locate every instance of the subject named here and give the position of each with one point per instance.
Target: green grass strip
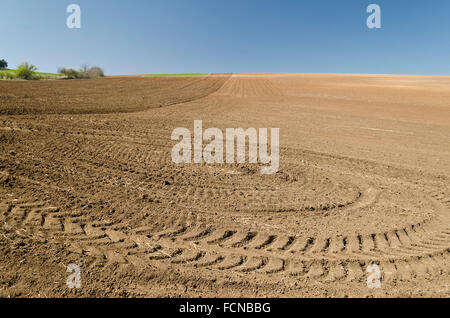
(38, 73)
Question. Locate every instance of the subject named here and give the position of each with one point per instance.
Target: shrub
(70, 73)
(26, 71)
(84, 72)
(10, 76)
(96, 72)
(7, 75)
(3, 64)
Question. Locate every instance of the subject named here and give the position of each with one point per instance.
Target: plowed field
(86, 177)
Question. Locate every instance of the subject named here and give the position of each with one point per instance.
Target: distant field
(39, 73)
(48, 74)
(182, 74)
(146, 75)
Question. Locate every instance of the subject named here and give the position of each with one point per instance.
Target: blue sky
(179, 36)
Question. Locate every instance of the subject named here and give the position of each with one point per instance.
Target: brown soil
(107, 95)
(364, 178)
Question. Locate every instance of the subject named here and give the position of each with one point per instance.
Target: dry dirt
(86, 177)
